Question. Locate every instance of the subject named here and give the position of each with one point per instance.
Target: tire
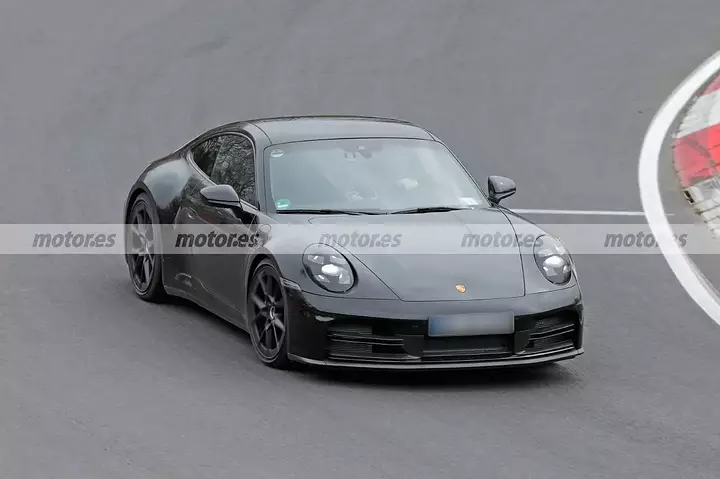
(267, 316)
(142, 236)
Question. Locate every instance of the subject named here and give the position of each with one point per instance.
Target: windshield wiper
(325, 211)
(429, 209)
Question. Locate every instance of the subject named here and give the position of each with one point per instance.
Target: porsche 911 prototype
(341, 303)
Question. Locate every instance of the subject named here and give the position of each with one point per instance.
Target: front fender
(535, 282)
(367, 284)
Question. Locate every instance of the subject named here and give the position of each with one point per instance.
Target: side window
(235, 166)
(205, 153)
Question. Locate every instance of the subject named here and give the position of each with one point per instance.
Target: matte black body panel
(433, 277)
(312, 315)
(307, 129)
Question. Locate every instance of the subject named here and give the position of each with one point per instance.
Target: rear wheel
(142, 240)
(267, 314)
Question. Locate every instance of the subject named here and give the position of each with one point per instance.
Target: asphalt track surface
(554, 93)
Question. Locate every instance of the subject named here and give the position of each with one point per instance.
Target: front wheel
(267, 315)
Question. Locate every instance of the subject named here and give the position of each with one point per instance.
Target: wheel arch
(135, 191)
(255, 262)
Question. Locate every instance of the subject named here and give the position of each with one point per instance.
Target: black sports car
(337, 303)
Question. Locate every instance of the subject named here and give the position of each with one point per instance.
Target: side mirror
(499, 188)
(222, 196)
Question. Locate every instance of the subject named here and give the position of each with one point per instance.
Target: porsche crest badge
(460, 288)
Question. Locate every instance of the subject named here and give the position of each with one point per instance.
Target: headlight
(328, 268)
(553, 259)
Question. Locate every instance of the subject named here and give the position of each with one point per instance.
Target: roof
(302, 128)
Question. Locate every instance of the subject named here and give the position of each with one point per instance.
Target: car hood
(438, 276)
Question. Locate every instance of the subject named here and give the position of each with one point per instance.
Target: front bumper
(392, 334)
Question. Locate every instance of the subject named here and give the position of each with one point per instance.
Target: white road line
(684, 269)
(579, 212)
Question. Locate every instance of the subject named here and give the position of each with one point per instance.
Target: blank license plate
(472, 324)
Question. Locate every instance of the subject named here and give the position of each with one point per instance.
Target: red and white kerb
(697, 142)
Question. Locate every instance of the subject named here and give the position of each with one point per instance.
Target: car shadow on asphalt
(203, 314)
(550, 375)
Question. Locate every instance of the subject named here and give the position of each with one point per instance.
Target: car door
(223, 273)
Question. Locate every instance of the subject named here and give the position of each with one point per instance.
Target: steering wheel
(362, 194)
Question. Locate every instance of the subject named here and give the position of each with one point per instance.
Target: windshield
(374, 175)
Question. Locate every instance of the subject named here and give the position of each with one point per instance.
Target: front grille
(472, 348)
(358, 342)
(407, 341)
(558, 331)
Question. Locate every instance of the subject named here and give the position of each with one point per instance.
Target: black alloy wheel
(267, 315)
(141, 255)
